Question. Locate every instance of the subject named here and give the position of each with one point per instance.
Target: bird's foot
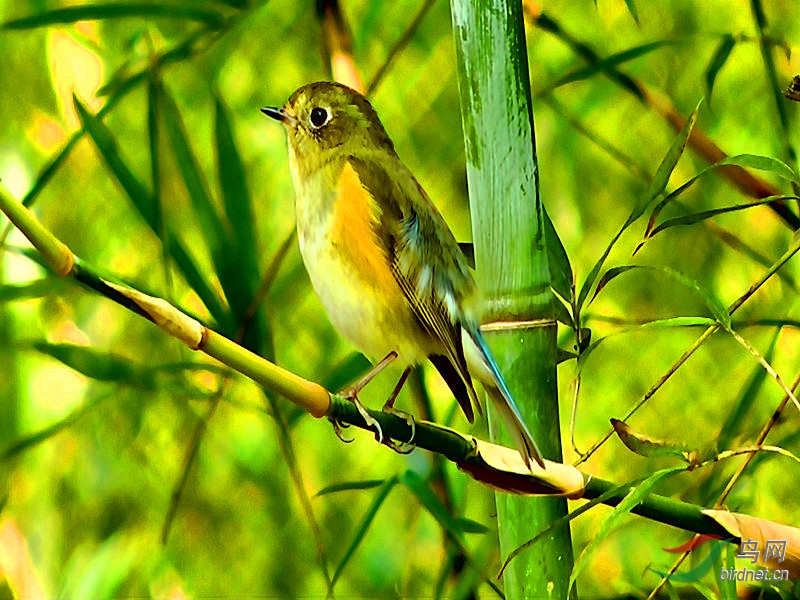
(370, 421)
(402, 447)
(352, 392)
(338, 428)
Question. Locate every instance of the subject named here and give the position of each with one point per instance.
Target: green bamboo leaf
(144, 203)
(39, 288)
(234, 3)
(181, 51)
(242, 280)
(377, 502)
(727, 587)
(654, 190)
(737, 415)
(346, 486)
(674, 322)
(29, 441)
(669, 162)
(95, 364)
(561, 278)
(762, 163)
(90, 12)
(637, 493)
(631, 5)
(670, 323)
(470, 526)
(109, 150)
(215, 234)
(693, 218)
(610, 275)
(422, 490)
(545, 23)
(718, 60)
(718, 310)
(609, 63)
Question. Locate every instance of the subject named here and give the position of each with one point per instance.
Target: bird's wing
(426, 262)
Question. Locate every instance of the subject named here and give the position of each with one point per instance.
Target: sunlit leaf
(644, 445)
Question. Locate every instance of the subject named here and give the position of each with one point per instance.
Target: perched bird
(381, 258)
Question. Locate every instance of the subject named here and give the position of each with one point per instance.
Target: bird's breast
(350, 271)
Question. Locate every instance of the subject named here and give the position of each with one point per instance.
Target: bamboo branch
(493, 465)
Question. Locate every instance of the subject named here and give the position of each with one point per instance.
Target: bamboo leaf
(610, 275)
(470, 526)
(694, 218)
(631, 5)
(90, 12)
(39, 288)
(242, 274)
(718, 60)
(718, 310)
(144, 203)
(737, 414)
(669, 162)
(647, 446)
(109, 150)
(215, 234)
(95, 364)
(347, 486)
(637, 494)
(29, 441)
(361, 532)
(561, 278)
(655, 189)
(762, 163)
(609, 63)
(421, 489)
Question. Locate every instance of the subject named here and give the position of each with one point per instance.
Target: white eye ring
(318, 117)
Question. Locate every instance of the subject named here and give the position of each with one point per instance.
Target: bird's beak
(276, 113)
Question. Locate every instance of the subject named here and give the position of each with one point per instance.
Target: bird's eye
(318, 117)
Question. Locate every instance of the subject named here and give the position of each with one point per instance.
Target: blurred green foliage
(181, 188)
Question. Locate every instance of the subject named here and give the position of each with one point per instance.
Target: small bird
(381, 258)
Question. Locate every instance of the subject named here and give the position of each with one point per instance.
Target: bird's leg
(389, 404)
(359, 385)
(405, 447)
(351, 394)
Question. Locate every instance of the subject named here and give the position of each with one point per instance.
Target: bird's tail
(484, 369)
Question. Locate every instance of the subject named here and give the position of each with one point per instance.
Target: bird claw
(371, 421)
(338, 427)
(402, 447)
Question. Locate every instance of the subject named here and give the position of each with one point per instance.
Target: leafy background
(100, 410)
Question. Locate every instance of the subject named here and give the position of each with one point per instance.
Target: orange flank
(352, 233)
